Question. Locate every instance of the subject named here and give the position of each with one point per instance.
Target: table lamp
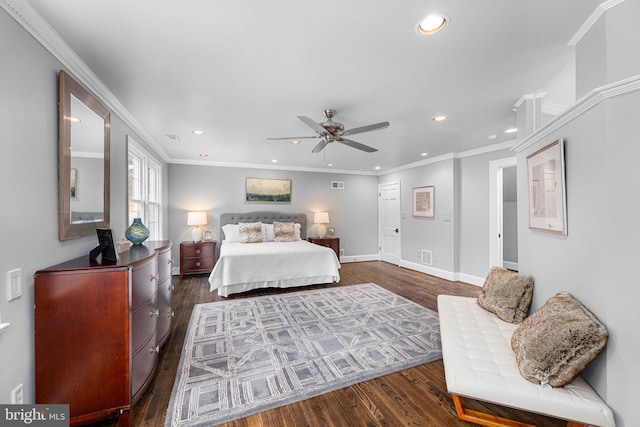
(321, 218)
(197, 219)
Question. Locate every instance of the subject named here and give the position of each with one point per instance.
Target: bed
(244, 266)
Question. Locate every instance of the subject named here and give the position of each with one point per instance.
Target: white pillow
(296, 231)
(231, 233)
(268, 234)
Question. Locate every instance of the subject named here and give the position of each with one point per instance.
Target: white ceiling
(243, 70)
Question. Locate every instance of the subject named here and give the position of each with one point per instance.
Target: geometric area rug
(245, 356)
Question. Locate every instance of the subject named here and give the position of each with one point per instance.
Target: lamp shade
(196, 218)
(321, 218)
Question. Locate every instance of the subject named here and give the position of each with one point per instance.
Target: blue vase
(137, 232)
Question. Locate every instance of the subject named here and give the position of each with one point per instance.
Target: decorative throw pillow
(557, 342)
(284, 231)
(251, 232)
(507, 294)
(231, 233)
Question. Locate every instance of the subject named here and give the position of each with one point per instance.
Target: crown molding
(584, 104)
(590, 22)
(25, 15)
(269, 167)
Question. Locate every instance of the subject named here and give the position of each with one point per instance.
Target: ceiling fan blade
(354, 144)
(313, 125)
(293, 137)
(318, 148)
(367, 128)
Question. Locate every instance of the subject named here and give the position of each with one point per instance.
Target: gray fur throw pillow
(507, 294)
(557, 342)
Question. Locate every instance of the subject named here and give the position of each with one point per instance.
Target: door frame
(380, 232)
(496, 255)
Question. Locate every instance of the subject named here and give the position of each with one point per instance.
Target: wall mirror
(83, 161)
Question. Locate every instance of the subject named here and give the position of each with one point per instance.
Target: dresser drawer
(144, 321)
(142, 367)
(143, 283)
(164, 264)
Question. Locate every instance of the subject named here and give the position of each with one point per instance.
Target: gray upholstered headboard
(265, 216)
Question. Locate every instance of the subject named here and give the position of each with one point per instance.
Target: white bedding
(246, 266)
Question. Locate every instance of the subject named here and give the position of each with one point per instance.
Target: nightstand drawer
(193, 264)
(197, 251)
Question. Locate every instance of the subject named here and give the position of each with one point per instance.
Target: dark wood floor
(413, 397)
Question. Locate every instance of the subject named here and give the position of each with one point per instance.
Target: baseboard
(443, 274)
(359, 258)
(473, 280)
(510, 265)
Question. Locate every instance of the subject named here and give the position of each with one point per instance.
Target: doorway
(503, 227)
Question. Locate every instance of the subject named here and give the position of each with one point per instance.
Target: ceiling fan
(331, 131)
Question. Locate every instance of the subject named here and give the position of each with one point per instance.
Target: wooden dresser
(98, 330)
(197, 257)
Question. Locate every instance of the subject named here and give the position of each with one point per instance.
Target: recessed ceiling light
(274, 160)
(329, 164)
(294, 142)
(433, 24)
(424, 154)
(198, 132)
(511, 130)
(377, 168)
(439, 118)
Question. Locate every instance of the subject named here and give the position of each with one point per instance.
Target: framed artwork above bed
(268, 190)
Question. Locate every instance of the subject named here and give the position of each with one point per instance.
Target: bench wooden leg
(488, 420)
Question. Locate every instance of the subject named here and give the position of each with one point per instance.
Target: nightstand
(330, 242)
(197, 257)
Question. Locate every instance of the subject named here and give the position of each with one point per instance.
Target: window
(145, 189)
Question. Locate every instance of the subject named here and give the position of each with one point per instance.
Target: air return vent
(337, 185)
(426, 257)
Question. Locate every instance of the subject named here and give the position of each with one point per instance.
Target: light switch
(14, 284)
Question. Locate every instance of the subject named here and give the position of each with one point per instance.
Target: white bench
(480, 364)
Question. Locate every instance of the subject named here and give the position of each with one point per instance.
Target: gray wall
(217, 190)
(433, 234)
(595, 261)
(462, 191)
(29, 179)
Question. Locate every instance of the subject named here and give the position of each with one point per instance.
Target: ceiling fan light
(511, 130)
(294, 142)
(432, 24)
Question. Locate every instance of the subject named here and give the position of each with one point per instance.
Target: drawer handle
(154, 277)
(197, 251)
(171, 314)
(154, 312)
(170, 261)
(155, 349)
(198, 264)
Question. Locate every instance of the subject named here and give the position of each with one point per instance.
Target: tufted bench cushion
(480, 364)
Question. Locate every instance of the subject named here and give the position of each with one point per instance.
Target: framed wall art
(268, 190)
(547, 192)
(424, 202)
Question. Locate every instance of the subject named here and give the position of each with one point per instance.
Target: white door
(496, 213)
(389, 208)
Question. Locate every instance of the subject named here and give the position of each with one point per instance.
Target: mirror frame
(67, 87)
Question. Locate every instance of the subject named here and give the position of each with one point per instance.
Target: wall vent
(426, 257)
(337, 185)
